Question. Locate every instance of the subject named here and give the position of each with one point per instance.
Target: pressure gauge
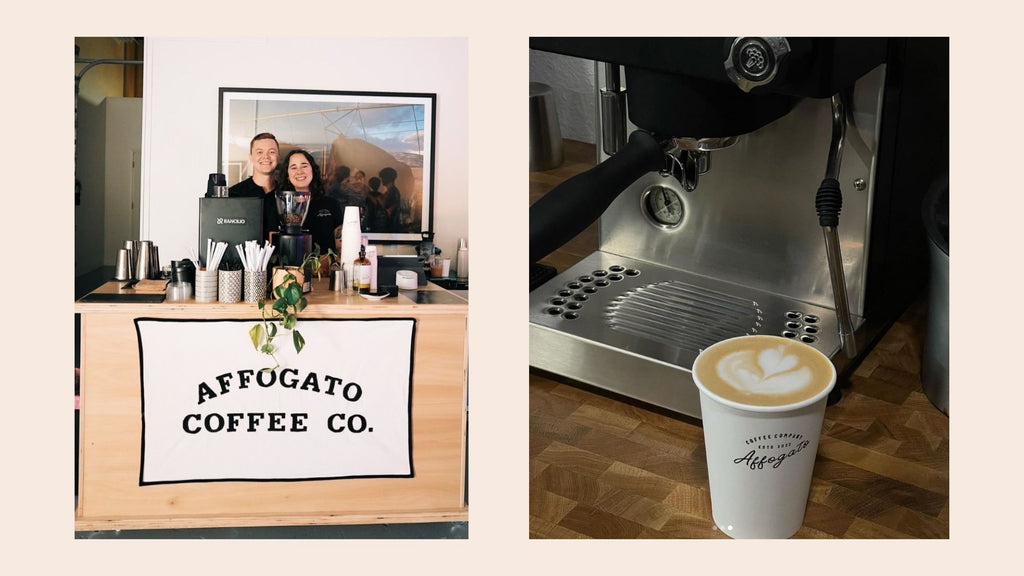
(663, 206)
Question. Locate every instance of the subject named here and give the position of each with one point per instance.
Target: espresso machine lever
(829, 202)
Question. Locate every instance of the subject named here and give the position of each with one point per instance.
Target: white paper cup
(760, 458)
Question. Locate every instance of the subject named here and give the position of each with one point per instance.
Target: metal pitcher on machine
(746, 185)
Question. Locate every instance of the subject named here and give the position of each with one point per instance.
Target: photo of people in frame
(375, 150)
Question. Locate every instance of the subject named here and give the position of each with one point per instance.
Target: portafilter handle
(578, 202)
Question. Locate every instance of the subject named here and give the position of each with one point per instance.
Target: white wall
(181, 80)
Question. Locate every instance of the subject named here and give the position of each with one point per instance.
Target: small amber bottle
(361, 268)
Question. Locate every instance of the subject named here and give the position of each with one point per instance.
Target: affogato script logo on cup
(775, 449)
(763, 370)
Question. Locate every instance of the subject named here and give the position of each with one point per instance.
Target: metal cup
(337, 283)
(132, 246)
(154, 262)
(144, 260)
(123, 270)
(545, 136)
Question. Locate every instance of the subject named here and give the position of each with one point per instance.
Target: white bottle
(371, 255)
(462, 261)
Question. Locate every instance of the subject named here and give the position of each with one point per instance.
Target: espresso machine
(747, 185)
(226, 219)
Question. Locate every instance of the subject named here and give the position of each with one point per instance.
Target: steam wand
(829, 202)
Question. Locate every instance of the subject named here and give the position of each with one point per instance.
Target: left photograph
(271, 288)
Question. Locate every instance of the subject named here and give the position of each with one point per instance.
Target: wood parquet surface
(604, 468)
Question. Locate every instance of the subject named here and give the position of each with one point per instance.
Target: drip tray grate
(683, 315)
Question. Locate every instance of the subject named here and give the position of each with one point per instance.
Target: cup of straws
(255, 259)
(229, 282)
(206, 277)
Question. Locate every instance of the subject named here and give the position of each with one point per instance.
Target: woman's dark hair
(316, 186)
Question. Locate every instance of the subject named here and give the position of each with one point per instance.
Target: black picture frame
(361, 130)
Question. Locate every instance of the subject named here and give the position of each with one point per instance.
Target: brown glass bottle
(361, 272)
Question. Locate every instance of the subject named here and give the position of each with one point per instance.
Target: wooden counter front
(110, 494)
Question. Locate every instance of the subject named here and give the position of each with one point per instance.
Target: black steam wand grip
(573, 205)
(828, 202)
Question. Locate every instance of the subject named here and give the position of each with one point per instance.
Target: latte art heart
(763, 370)
(770, 371)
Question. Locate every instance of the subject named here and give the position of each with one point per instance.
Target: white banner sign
(339, 409)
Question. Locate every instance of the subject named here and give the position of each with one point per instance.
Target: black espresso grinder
(293, 243)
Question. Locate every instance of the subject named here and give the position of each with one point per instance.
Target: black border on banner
(142, 407)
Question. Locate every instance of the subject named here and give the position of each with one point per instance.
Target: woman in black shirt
(301, 173)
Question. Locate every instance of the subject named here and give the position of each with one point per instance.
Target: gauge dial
(663, 205)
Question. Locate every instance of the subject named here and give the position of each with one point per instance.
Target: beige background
(38, 339)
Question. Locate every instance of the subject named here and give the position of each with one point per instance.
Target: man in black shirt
(263, 155)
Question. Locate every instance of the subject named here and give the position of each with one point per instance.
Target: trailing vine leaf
(285, 308)
(293, 293)
(289, 322)
(256, 335)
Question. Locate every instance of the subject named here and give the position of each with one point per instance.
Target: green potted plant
(285, 308)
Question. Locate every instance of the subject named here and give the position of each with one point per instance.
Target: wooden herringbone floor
(603, 468)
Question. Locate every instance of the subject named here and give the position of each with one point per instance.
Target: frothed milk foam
(763, 370)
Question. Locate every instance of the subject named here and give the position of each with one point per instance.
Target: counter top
(321, 301)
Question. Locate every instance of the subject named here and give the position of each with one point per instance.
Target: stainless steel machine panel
(751, 220)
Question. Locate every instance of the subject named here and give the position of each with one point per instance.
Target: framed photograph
(374, 149)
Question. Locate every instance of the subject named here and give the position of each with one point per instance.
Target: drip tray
(635, 328)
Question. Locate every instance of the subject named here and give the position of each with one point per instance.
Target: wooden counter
(111, 495)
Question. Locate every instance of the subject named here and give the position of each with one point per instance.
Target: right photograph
(739, 287)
